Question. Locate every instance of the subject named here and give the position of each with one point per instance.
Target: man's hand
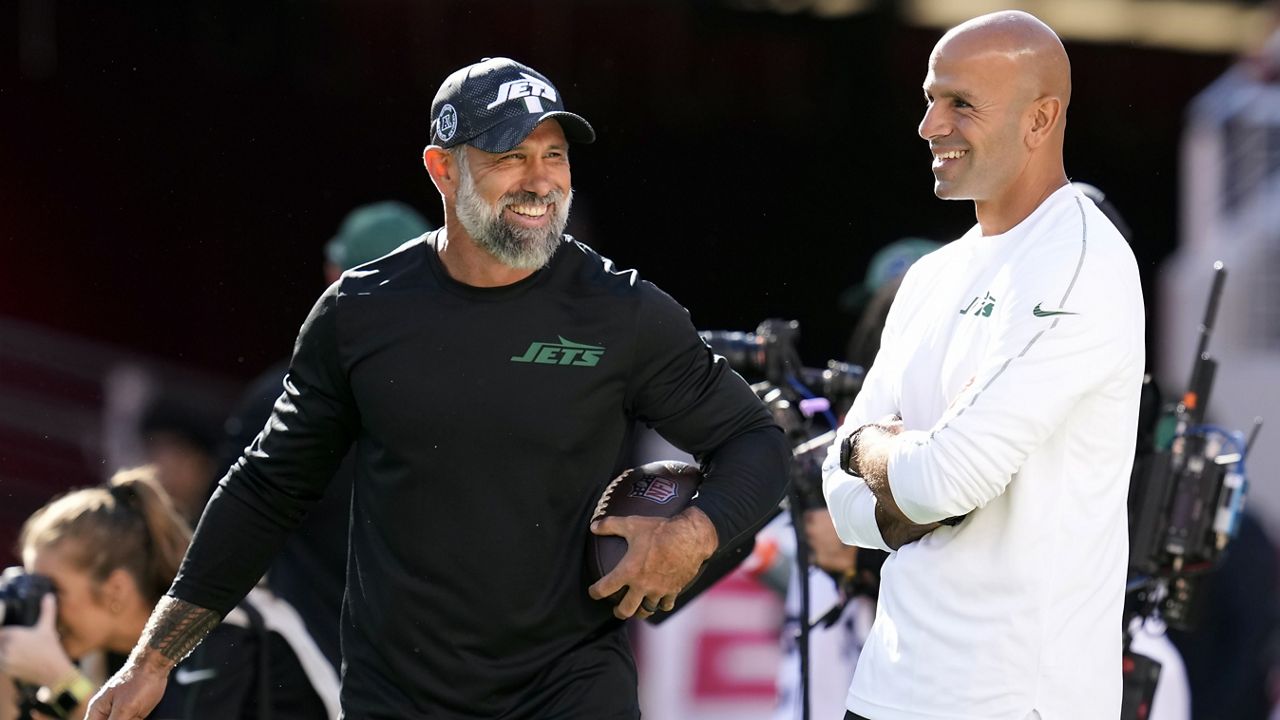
(897, 532)
(663, 557)
(175, 628)
(829, 551)
(34, 654)
(134, 691)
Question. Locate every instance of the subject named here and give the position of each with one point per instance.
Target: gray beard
(516, 247)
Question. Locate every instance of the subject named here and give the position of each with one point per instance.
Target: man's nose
(934, 123)
(539, 178)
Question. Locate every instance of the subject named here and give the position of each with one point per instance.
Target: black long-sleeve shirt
(485, 422)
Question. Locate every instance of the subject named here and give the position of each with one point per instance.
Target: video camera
(794, 394)
(1186, 496)
(20, 595)
(1186, 493)
(771, 352)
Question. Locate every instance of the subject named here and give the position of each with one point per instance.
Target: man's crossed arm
(871, 446)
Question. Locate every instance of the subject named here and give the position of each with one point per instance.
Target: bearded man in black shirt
(487, 373)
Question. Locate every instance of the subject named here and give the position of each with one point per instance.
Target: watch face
(846, 452)
(65, 703)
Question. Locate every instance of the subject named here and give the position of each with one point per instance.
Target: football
(658, 489)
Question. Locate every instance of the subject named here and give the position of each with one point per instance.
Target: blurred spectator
(368, 233)
(311, 571)
(180, 442)
(871, 298)
(111, 552)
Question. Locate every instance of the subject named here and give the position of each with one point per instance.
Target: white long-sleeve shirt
(1015, 362)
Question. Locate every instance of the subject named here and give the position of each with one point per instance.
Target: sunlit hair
(515, 247)
(127, 523)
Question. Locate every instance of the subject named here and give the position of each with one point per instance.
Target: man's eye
(961, 104)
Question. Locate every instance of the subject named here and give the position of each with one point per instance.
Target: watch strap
(69, 693)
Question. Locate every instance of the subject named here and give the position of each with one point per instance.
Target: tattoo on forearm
(177, 627)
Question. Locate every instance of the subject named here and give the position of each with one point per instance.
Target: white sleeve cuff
(919, 483)
(853, 510)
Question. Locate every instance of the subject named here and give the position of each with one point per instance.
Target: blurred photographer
(110, 553)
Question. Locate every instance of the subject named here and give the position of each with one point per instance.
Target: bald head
(997, 92)
(1027, 49)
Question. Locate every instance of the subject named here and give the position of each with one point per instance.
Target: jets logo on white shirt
(530, 90)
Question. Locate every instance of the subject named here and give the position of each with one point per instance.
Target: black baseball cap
(494, 104)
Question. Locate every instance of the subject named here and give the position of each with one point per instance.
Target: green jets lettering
(980, 306)
(565, 352)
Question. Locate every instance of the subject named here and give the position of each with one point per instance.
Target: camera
(795, 394)
(1186, 496)
(20, 594)
(1187, 491)
(771, 352)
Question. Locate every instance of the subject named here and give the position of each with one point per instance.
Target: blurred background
(171, 172)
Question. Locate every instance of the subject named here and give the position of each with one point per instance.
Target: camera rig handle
(1191, 409)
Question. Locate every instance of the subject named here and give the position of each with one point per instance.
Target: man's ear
(442, 169)
(119, 589)
(1046, 114)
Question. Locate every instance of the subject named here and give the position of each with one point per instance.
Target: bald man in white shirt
(991, 445)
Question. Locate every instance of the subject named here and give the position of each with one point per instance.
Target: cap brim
(506, 135)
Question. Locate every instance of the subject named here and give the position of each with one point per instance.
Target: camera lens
(20, 595)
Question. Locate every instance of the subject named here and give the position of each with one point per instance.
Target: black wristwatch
(848, 451)
(65, 696)
(849, 458)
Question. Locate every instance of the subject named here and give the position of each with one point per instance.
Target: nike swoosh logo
(184, 676)
(1048, 313)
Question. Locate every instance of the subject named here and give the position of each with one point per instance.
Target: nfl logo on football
(656, 489)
